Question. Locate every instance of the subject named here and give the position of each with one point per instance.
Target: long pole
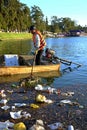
(68, 62)
(33, 65)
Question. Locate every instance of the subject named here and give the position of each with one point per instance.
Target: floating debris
(80, 106)
(13, 107)
(70, 127)
(43, 99)
(66, 102)
(25, 114)
(3, 101)
(38, 126)
(19, 114)
(40, 98)
(45, 88)
(5, 125)
(67, 94)
(20, 104)
(16, 115)
(10, 91)
(55, 126)
(5, 107)
(70, 93)
(20, 126)
(2, 93)
(34, 105)
(48, 101)
(13, 85)
(30, 82)
(39, 87)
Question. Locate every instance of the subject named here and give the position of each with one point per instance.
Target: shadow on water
(48, 79)
(69, 69)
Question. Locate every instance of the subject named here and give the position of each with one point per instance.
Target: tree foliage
(37, 17)
(16, 16)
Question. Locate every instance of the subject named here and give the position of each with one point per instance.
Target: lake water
(70, 48)
(75, 50)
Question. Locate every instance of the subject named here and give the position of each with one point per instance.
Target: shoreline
(14, 36)
(22, 36)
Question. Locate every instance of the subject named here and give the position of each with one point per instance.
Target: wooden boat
(26, 69)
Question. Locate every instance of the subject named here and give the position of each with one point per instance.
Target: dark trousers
(38, 57)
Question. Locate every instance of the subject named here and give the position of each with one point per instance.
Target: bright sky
(74, 9)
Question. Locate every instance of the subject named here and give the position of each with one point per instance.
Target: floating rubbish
(25, 114)
(5, 107)
(39, 122)
(5, 125)
(40, 98)
(70, 93)
(3, 101)
(19, 114)
(13, 107)
(16, 115)
(70, 127)
(13, 85)
(48, 101)
(20, 126)
(20, 104)
(64, 94)
(2, 91)
(67, 94)
(80, 106)
(38, 126)
(30, 82)
(55, 126)
(39, 87)
(34, 105)
(10, 91)
(45, 88)
(66, 101)
(3, 95)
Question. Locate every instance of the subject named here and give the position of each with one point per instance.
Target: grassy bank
(15, 36)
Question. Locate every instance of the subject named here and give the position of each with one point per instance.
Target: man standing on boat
(39, 43)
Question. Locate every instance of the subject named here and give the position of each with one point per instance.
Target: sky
(74, 9)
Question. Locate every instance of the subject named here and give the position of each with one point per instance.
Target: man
(39, 43)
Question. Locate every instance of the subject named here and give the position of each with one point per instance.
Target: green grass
(15, 36)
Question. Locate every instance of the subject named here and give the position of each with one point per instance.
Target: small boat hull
(18, 70)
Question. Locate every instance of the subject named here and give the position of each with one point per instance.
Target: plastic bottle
(70, 127)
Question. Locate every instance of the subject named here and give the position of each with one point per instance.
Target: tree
(54, 24)
(37, 17)
(15, 15)
(47, 27)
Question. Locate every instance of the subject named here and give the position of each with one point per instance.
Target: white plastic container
(70, 127)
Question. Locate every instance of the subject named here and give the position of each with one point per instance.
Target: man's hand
(36, 52)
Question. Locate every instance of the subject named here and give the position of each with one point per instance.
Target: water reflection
(15, 47)
(45, 77)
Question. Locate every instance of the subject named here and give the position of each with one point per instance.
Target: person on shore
(39, 43)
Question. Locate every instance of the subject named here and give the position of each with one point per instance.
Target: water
(70, 48)
(75, 50)
(15, 47)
